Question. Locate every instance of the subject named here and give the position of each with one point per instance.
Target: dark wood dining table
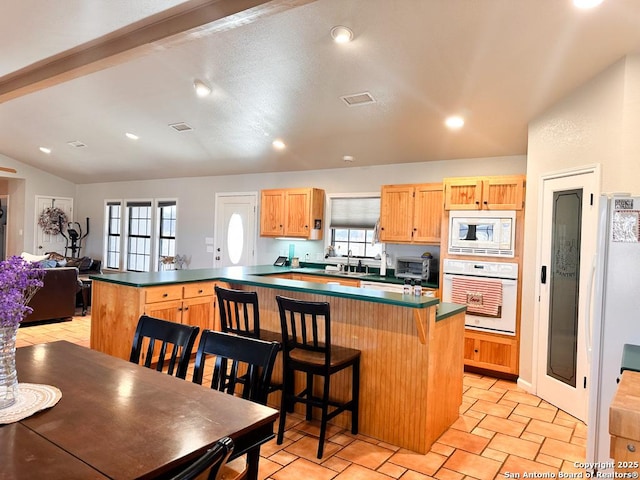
(120, 420)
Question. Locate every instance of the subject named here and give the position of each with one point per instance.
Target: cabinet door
(297, 212)
(199, 312)
(462, 194)
(503, 193)
(396, 213)
(491, 352)
(170, 310)
(272, 212)
(427, 218)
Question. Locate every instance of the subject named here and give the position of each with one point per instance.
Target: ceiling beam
(185, 22)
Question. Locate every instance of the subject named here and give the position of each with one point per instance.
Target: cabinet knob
(200, 291)
(477, 203)
(164, 295)
(185, 308)
(475, 351)
(631, 447)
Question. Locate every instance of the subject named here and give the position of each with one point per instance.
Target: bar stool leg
(355, 396)
(309, 411)
(325, 414)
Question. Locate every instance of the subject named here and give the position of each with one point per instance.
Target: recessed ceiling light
(341, 34)
(278, 144)
(454, 122)
(202, 89)
(132, 136)
(348, 158)
(585, 4)
(45, 150)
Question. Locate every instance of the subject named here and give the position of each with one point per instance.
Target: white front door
(235, 234)
(567, 246)
(48, 242)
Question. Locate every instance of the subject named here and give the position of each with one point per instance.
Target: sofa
(63, 290)
(57, 297)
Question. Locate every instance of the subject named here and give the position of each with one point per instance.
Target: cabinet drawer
(194, 290)
(161, 294)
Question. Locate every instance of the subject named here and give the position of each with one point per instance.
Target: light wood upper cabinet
(292, 212)
(411, 213)
(484, 193)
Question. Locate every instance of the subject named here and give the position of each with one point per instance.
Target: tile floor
(501, 429)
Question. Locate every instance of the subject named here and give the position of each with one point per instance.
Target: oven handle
(505, 281)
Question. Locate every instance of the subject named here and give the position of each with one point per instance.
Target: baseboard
(526, 385)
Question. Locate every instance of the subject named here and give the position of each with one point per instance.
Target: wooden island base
(412, 356)
(410, 392)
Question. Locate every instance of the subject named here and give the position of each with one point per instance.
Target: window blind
(354, 212)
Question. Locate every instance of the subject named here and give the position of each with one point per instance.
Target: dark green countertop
(259, 276)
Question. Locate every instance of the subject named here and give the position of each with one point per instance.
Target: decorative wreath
(50, 218)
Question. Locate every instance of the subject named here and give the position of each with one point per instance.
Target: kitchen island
(412, 347)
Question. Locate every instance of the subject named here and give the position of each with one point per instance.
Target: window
(167, 228)
(138, 236)
(352, 224)
(114, 216)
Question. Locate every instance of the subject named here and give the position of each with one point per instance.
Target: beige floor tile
(492, 409)
(539, 413)
(307, 447)
(411, 475)
(502, 425)
(521, 397)
(358, 472)
(442, 449)
(483, 394)
(478, 382)
(464, 440)
(495, 454)
(580, 430)
(483, 432)
(446, 474)
(336, 464)
(532, 437)
(515, 446)
(266, 468)
(304, 469)
(519, 418)
(516, 464)
(475, 414)
(465, 423)
(547, 460)
(365, 454)
(392, 470)
(427, 464)
(473, 465)
(566, 451)
(551, 430)
(282, 457)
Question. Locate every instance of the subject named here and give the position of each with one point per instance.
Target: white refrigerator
(615, 317)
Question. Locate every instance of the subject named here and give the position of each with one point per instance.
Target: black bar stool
(306, 347)
(239, 314)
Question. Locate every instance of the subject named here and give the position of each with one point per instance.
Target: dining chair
(212, 460)
(307, 348)
(176, 342)
(237, 357)
(240, 314)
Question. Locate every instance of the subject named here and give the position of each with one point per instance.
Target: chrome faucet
(348, 260)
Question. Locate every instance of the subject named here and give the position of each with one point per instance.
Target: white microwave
(486, 233)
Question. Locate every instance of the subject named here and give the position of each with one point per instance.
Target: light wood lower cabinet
(117, 308)
(491, 352)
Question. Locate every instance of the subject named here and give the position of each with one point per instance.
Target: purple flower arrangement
(19, 281)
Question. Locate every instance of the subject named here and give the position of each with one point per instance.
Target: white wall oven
(488, 289)
(486, 233)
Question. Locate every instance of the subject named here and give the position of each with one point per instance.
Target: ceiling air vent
(76, 144)
(181, 127)
(356, 99)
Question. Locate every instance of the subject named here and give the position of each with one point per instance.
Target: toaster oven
(417, 268)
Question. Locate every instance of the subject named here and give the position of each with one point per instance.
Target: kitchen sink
(350, 274)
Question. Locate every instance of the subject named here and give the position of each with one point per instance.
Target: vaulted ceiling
(85, 72)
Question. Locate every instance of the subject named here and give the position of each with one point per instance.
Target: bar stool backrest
(306, 326)
(239, 312)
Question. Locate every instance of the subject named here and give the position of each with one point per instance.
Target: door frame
(255, 196)
(585, 262)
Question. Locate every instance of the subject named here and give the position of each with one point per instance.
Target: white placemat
(32, 398)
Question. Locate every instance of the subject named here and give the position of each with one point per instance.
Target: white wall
(596, 124)
(196, 197)
(22, 188)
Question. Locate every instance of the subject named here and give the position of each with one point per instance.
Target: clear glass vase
(8, 375)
